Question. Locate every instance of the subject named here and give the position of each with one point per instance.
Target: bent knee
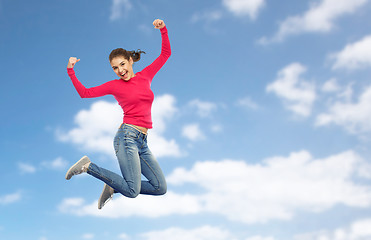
(133, 194)
(162, 189)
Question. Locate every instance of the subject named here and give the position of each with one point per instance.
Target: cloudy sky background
(261, 119)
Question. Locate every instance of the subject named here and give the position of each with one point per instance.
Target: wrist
(70, 70)
(163, 29)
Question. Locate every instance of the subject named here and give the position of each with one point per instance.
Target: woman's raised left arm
(152, 69)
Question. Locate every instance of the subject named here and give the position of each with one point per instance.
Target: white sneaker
(79, 167)
(107, 194)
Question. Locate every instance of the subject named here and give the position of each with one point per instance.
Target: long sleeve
(151, 70)
(84, 92)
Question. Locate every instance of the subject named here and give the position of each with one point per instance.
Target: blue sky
(261, 119)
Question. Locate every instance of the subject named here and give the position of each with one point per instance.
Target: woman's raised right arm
(84, 92)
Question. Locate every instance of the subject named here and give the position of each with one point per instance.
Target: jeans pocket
(131, 134)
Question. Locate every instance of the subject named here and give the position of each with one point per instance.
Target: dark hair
(135, 55)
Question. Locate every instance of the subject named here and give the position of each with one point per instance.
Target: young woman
(133, 93)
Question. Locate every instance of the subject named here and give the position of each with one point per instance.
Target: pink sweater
(134, 96)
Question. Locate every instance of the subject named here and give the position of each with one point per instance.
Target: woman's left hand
(158, 23)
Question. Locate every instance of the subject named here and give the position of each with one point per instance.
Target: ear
(131, 61)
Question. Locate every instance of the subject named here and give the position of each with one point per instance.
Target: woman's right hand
(72, 61)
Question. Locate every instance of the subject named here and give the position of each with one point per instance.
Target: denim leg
(156, 184)
(129, 184)
(134, 158)
(128, 158)
(112, 179)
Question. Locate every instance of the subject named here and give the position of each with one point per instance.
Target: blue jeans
(134, 158)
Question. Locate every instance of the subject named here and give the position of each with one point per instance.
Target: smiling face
(123, 67)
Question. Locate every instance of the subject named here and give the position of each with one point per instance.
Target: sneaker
(79, 167)
(106, 195)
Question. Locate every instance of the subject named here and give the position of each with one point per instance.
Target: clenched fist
(158, 23)
(72, 61)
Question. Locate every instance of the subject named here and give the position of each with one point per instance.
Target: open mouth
(123, 75)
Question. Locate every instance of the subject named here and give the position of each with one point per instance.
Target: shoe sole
(81, 162)
(101, 195)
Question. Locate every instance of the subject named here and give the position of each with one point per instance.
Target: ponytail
(135, 55)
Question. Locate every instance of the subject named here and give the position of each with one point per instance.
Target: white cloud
(193, 132)
(88, 236)
(249, 8)
(97, 127)
(56, 164)
(361, 229)
(163, 111)
(203, 108)
(119, 8)
(201, 233)
(143, 205)
(274, 189)
(346, 93)
(277, 188)
(124, 236)
(354, 56)
(145, 28)
(358, 230)
(70, 203)
(216, 128)
(260, 238)
(10, 198)
(298, 95)
(320, 17)
(354, 117)
(331, 86)
(208, 16)
(248, 103)
(162, 147)
(26, 168)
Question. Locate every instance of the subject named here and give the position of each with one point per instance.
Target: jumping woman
(133, 93)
